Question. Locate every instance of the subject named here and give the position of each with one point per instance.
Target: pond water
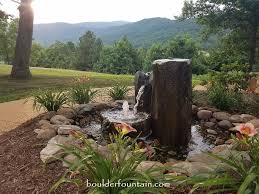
(198, 144)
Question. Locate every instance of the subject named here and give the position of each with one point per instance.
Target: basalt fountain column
(171, 102)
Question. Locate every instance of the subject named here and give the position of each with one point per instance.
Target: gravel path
(14, 113)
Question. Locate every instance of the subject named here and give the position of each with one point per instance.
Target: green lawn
(44, 78)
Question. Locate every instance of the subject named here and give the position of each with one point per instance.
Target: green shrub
(118, 166)
(50, 100)
(223, 98)
(82, 94)
(118, 92)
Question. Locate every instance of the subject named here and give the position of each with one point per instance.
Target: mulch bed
(22, 171)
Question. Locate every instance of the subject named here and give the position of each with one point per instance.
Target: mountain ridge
(142, 33)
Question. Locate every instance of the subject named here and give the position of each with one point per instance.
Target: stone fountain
(165, 94)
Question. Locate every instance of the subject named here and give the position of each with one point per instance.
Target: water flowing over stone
(138, 98)
(171, 102)
(143, 92)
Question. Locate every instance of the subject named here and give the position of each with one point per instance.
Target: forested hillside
(142, 33)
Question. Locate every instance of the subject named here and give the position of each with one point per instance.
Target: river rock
(46, 134)
(203, 158)
(61, 120)
(148, 165)
(213, 132)
(70, 160)
(219, 141)
(49, 115)
(84, 109)
(69, 113)
(209, 125)
(221, 116)
(193, 168)
(204, 114)
(246, 117)
(66, 129)
(236, 119)
(53, 150)
(255, 122)
(225, 124)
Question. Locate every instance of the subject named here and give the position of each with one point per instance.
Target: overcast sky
(74, 11)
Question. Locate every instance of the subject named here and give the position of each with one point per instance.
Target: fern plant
(118, 92)
(50, 100)
(81, 94)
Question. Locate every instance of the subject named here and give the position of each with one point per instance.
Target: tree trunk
(21, 61)
(253, 43)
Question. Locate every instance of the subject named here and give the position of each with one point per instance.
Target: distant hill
(142, 33)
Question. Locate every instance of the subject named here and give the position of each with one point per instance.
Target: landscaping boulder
(85, 109)
(61, 120)
(69, 113)
(66, 129)
(193, 168)
(203, 158)
(147, 165)
(204, 114)
(221, 116)
(219, 141)
(49, 115)
(255, 122)
(246, 118)
(46, 134)
(209, 125)
(212, 132)
(225, 124)
(53, 150)
(69, 159)
(236, 119)
(45, 124)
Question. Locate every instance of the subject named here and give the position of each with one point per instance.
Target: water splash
(125, 108)
(140, 93)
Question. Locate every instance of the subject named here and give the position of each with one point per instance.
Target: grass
(44, 78)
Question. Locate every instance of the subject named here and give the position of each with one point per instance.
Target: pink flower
(124, 128)
(247, 129)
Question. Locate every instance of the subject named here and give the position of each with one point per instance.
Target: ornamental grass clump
(82, 94)
(118, 92)
(118, 165)
(50, 100)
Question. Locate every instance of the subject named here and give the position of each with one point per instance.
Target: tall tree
(8, 33)
(89, 49)
(240, 18)
(21, 62)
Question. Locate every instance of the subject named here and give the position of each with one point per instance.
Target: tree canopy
(238, 19)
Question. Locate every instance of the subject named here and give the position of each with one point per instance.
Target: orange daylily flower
(124, 128)
(247, 129)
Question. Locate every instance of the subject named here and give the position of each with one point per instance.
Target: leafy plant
(82, 94)
(240, 176)
(50, 100)
(223, 98)
(118, 92)
(118, 166)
